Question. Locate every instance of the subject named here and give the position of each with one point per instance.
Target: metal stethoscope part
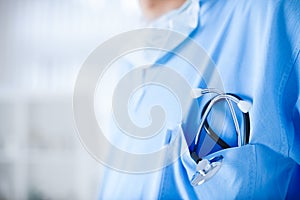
(206, 169)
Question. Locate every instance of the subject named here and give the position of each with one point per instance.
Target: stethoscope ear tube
(246, 117)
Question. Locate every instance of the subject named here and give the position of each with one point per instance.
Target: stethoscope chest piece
(206, 169)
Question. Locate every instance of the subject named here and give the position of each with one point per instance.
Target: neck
(153, 9)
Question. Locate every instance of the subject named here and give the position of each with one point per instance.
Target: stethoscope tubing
(242, 139)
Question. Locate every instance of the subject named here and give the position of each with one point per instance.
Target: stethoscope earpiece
(196, 93)
(244, 106)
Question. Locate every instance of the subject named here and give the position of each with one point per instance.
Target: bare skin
(153, 9)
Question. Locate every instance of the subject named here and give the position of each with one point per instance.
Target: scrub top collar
(183, 20)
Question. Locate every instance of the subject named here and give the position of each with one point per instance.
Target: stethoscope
(207, 168)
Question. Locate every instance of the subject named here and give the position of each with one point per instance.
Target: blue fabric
(255, 46)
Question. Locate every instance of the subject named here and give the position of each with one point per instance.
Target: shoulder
(277, 10)
(280, 18)
(288, 14)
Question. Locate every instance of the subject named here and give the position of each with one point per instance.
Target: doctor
(255, 46)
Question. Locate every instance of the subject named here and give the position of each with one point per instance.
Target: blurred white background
(43, 44)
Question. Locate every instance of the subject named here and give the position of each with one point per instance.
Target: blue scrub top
(255, 46)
